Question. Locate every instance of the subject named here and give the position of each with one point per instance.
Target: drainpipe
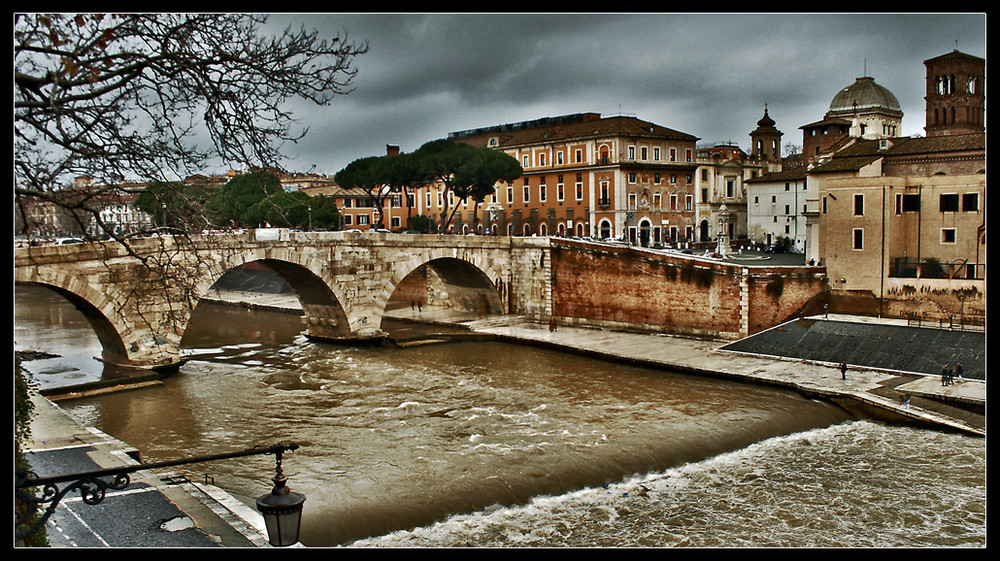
(881, 276)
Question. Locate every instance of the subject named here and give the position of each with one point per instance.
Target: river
(485, 444)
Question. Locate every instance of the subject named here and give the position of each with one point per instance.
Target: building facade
(589, 176)
(777, 205)
(900, 222)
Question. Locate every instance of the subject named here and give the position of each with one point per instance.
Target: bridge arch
(469, 282)
(323, 311)
(102, 315)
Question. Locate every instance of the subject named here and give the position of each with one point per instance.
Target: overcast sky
(708, 75)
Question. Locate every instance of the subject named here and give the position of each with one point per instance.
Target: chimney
(391, 150)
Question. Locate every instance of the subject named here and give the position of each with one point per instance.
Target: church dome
(864, 95)
(766, 120)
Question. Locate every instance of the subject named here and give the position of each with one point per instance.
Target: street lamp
(282, 510)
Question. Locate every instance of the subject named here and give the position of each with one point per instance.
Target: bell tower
(766, 140)
(955, 99)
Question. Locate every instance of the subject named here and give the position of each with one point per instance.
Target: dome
(766, 120)
(864, 95)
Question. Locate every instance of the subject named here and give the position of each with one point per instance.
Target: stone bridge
(140, 298)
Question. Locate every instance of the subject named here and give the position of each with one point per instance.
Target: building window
(631, 201)
(631, 152)
(560, 191)
(859, 238)
(510, 195)
(559, 157)
(645, 153)
(907, 203)
(656, 153)
(526, 195)
(579, 156)
(859, 205)
(542, 192)
(688, 202)
(947, 235)
(656, 179)
(949, 202)
(657, 201)
(970, 202)
(579, 188)
(541, 159)
(687, 155)
(673, 202)
(631, 178)
(673, 154)
(524, 161)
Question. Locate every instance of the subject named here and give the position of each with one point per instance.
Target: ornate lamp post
(282, 509)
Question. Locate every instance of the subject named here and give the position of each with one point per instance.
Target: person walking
(843, 370)
(958, 372)
(944, 375)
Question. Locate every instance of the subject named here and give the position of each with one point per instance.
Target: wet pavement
(156, 510)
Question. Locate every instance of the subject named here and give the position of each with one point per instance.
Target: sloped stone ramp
(887, 346)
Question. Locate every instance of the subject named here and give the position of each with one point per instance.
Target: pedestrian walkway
(155, 510)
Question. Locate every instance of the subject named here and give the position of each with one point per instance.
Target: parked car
(773, 248)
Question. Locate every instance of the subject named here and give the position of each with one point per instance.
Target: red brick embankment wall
(637, 289)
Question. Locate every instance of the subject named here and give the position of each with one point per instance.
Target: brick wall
(627, 288)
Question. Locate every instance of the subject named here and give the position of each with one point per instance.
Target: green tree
(369, 175)
(421, 223)
(401, 174)
(284, 209)
(237, 202)
(323, 213)
(449, 163)
(176, 206)
(24, 411)
(486, 169)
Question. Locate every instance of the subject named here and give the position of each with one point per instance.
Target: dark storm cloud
(704, 74)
